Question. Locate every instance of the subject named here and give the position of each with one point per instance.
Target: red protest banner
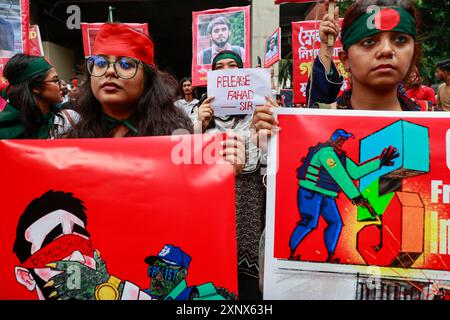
(14, 27)
(216, 30)
(139, 201)
(353, 214)
(36, 48)
(273, 49)
(90, 30)
(305, 47)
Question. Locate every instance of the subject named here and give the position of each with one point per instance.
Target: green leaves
(434, 34)
(237, 29)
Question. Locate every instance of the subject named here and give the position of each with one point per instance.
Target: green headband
(33, 68)
(387, 19)
(227, 55)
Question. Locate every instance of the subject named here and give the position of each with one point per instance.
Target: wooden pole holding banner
(331, 7)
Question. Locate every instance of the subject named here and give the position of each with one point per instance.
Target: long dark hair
(22, 97)
(154, 115)
(359, 8)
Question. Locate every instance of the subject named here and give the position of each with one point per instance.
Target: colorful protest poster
(216, 30)
(238, 91)
(14, 25)
(273, 49)
(90, 30)
(115, 212)
(358, 206)
(36, 48)
(305, 48)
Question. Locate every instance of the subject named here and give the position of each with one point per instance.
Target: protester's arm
(328, 26)
(326, 79)
(431, 97)
(438, 95)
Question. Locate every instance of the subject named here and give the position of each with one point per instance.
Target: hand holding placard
(205, 112)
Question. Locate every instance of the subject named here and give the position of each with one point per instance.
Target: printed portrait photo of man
(219, 33)
(10, 27)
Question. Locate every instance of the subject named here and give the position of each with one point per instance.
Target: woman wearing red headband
(380, 51)
(125, 95)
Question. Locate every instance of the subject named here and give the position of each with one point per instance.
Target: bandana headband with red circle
(383, 19)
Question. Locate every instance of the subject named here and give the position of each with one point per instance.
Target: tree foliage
(238, 29)
(434, 34)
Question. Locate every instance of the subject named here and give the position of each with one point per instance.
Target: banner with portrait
(359, 207)
(305, 48)
(109, 219)
(216, 30)
(273, 49)
(14, 26)
(90, 30)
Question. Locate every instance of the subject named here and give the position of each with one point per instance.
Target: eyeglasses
(58, 81)
(125, 67)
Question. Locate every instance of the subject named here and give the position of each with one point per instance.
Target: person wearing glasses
(125, 95)
(33, 96)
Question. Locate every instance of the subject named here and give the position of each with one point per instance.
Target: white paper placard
(238, 91)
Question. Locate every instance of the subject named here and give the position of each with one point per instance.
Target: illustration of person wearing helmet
(324, 173)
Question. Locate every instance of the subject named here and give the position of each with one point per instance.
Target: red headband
(123, 41)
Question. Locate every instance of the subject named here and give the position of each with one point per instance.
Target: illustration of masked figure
(57, 259)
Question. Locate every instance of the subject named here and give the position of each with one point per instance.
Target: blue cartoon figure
(324, 173)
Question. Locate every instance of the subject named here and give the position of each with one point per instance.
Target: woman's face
(50, 91)
(112, 91)
(381, 60)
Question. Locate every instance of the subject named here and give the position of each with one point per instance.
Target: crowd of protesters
(124, 94)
